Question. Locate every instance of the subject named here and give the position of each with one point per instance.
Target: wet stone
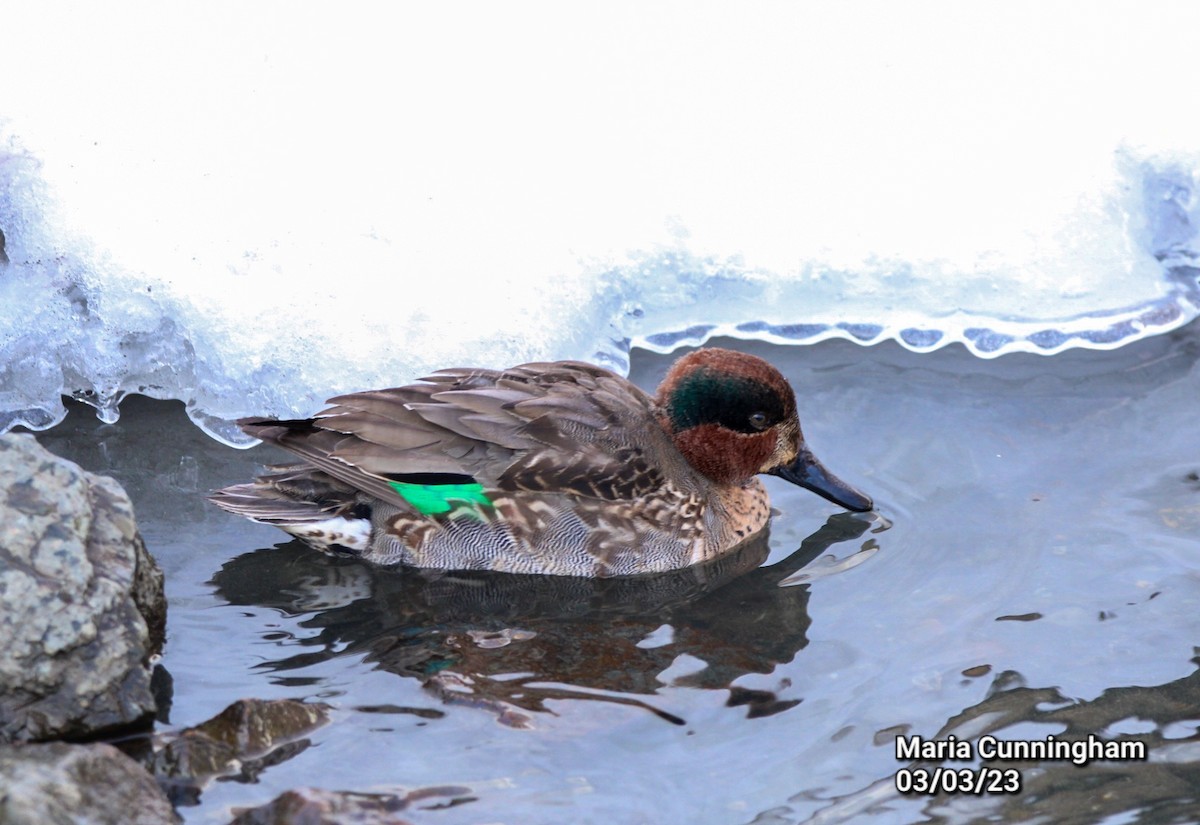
(81, 601)
(60, 782)
(313, 806)
(238, 743)
(255, 726)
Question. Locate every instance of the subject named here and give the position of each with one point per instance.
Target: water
(1032, 570)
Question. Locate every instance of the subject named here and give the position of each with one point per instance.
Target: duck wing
(561, 427)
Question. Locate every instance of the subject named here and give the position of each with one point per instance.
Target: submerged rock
(313, 806)
(238, 743)
(60, 782)
(81, 601)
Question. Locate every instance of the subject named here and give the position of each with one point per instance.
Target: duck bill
(810, 474)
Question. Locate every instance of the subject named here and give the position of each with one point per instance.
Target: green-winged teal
(559, 468)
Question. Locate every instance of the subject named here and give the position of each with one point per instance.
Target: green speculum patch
(439, 499)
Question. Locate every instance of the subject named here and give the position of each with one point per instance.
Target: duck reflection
(508, 642)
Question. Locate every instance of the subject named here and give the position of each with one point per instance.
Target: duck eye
(758, 420)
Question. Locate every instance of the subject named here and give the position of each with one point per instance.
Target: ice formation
(252, 208)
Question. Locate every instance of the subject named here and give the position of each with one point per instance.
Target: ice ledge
(74, 321)
(983, 336)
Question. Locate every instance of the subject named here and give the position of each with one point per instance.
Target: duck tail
(308, 504)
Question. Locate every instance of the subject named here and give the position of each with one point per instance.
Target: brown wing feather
(318, 447)
(560, 427)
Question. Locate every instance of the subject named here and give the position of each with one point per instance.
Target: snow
(253, 207)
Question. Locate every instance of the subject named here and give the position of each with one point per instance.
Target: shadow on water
(505, 642)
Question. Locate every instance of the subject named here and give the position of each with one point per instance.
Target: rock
(96, 784)
(313, 806)
(254, 727)
(81, 601)
(238, 743)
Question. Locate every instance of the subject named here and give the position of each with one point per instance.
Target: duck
(552, 468)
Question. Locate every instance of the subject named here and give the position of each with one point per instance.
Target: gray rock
(46, 784)
(81, 601)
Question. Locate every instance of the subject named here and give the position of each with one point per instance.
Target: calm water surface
(1033, 570)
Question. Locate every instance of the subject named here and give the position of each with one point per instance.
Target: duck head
(733, 416)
